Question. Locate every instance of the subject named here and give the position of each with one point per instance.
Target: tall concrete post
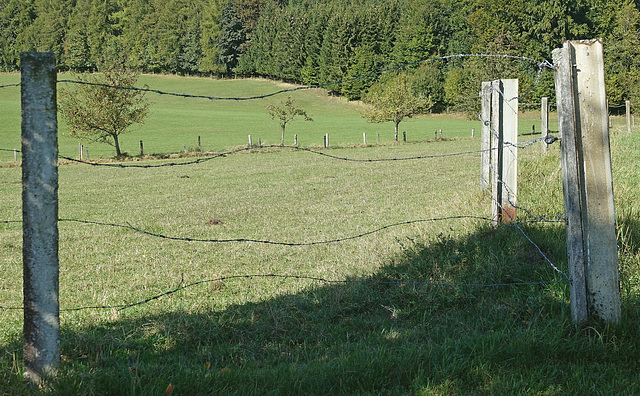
(40, 216)
(588, 183)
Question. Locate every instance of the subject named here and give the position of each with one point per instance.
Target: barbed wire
(536, 219)
(268, 242)
(516, 225)
(521, 145)
(510, 146)
(622, 105)
(265, 147)
(182, 286)
(541, 66)
(10, 85)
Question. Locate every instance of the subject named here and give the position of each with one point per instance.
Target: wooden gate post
(40, 216)
(587, 181)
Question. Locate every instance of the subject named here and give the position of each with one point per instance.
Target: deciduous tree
(394, 101)
(101, 113)
(285, 113)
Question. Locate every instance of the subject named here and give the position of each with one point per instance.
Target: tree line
(328, 41)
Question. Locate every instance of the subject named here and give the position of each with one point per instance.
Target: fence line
(521, 145)
(497, 181)
(541, 66)
(312, 243)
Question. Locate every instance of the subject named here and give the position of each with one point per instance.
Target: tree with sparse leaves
(285, 113)
(394, 101)
(100, 113)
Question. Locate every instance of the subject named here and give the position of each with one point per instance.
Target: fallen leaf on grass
(169, 390)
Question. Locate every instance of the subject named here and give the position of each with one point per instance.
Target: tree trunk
(282, 138)
(117, 146)
(397, 123)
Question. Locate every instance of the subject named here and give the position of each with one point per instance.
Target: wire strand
(182, 286)
(269, 242)
(541, 66)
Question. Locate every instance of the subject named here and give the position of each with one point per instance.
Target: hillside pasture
(389, 312)
(176, 122)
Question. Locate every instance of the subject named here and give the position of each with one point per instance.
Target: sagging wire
(182, 286)
(541, 66)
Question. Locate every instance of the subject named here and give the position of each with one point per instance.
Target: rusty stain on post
(509, 150)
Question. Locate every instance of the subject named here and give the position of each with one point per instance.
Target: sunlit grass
(177, 122)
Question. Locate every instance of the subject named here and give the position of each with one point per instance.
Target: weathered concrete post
(544, 123)
(627, 105)
(40, 216)
(509, 150)
(587, 180)
(504, 125)
(485, 135)
(496, 150)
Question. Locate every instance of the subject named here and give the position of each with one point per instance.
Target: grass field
(222, 124)
(364, 334)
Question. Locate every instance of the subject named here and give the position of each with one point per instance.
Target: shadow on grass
(373, 338)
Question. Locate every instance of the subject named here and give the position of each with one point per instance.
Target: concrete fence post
(485, 135)
(504, 150)
(587, 182)
(627, 105)
(544, 124)
(40, 216)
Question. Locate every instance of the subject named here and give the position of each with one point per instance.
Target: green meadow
(388, 310)
(175, 122)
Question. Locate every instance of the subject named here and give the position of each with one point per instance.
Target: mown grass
(267, 335)
(176, 122)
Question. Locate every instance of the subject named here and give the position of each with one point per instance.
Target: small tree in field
(394, 101)
(285, 113)
(99, 113)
